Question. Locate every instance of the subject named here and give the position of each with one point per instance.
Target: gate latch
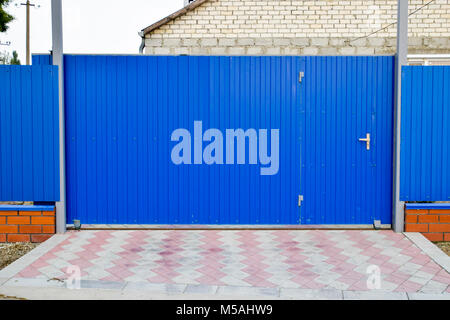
(300, 200)
(301, 75)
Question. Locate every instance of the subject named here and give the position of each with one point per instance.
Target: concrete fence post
(401, 60)
(58, 60)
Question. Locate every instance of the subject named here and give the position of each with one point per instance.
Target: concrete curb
(133, 291)
(369, 295)
(33, 283)
(23, 262)
(311, 294)
(428, 296)
(430, 249)
(169, 289)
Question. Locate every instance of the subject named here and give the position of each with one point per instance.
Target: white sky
(90, 26)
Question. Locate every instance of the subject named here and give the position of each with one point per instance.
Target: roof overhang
(173, 16)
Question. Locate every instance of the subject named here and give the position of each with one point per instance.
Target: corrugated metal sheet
(41, 59)
(344, 99)
(29, 144)
(121, 112)
(425, 158)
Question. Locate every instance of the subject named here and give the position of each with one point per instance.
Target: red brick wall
(432, 223)
(26, 226)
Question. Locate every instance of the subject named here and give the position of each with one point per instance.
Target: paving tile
(96, 284)
(201, 289)
(419, 280)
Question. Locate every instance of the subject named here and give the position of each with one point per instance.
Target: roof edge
(173, 16)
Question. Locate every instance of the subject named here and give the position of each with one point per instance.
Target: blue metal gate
(126, 118)
(347, 99)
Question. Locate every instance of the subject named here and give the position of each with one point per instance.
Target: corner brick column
(433, 223)
(26, 226)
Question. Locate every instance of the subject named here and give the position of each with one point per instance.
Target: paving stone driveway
(263, 259)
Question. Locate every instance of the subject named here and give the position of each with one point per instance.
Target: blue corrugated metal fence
(121, 112)
(425, 158)
(41, 59)
(29, 144)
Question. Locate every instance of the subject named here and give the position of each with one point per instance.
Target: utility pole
(28, 5)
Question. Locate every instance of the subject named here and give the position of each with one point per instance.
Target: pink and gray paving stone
(215, 260)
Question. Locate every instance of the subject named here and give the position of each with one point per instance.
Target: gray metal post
(57, 55)
(401, 60)
(28, 4)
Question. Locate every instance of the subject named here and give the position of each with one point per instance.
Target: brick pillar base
(26, 226)
(432, 223)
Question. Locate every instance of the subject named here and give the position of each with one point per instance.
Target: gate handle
(367, 140)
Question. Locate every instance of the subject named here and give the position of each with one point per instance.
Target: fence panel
(29, 143)
(425, 157)
(41, 59)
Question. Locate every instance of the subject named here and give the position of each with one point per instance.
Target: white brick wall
(301, 26)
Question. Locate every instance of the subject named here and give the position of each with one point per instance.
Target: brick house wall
(309, 27)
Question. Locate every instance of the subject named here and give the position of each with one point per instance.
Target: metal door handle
(366, 140)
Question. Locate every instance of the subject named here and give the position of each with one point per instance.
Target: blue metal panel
(346, 98)
(41, 59)
(121, 112)
(425, 158)
(29, 144)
